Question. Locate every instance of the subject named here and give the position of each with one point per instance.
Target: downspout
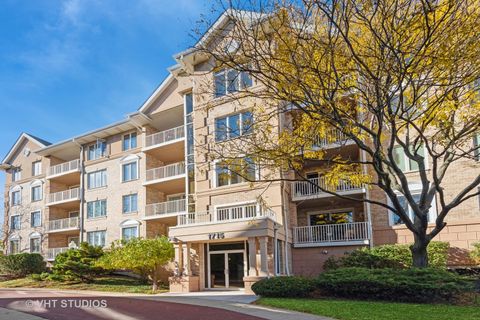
(285, 224)
(82, 190)
(367, 204)
(284, 210)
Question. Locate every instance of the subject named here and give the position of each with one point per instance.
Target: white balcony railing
(168, 171)
(60, 224)
(332, 137)
(331, 233)
(65, 167)
(165, 208)
(228, 214)
(162, 137)
(312, 188)
(67, 195)
(53, 252)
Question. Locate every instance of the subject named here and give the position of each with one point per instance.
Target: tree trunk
(419, 253)
(155, 281)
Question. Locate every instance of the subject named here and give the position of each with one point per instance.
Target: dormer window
(230, 81)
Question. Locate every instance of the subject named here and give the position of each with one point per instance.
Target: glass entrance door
(235, 269)
(217, 270)
(227, 269)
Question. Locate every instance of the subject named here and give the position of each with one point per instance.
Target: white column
(263, 256)
(186, 259)
(252, 257)
(179, 257)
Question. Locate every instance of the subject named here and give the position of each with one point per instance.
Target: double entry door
(226, 269)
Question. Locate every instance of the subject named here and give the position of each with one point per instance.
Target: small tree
(79, 263)
(142, 256)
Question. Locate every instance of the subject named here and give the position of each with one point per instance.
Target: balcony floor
(171, 151)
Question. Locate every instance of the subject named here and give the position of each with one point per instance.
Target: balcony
(343, 234)
(229, 214)
(66, 224)
(304, 190)
(166, 146)
(67, 173)
(64, 197)
(165, 209)
(169, 178)
(53, 252)
(164, 137)
(333, 139)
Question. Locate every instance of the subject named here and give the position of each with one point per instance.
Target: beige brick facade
(262, 229)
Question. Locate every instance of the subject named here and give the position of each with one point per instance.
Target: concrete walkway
(228, 305)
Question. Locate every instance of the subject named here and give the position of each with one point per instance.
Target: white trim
(17, 144)
(129, 134)
(35, 234)
(414, 188)
(14, 237)
(41, 219)
(215, 176)
(406, 159)
(133, 158)
(31, 192)
(129, 223)
(136, 226)
(165, 83)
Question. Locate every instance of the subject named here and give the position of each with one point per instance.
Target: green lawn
(367, 310)
(106, 283)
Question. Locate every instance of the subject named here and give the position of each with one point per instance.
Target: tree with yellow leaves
(398, 78)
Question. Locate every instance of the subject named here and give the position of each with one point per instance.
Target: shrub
(22, 264)
(78, 264)
(286, 287)
(475, 253)
(401, 285)
(397, 256)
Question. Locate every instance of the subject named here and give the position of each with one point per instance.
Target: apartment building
(146, 176)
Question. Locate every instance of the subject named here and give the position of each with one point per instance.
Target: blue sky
(67, 67)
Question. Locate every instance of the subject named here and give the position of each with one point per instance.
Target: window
(37, 193)
(233, 126)
(15, 222)
(403, 161)
(35, 245)
(130, 203)
(14, 246)
(96, 209)
(129, 171)
(239, 170)
(396, 220)
(16, 174)
(129, 141)
(97, 150)
(16, 198)
(36, 219)
(129, 233)
(231, 81)
(36, 168)
(97, 179)
(331, 218)
(96, 238)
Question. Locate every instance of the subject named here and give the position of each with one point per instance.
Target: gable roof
(24, 136)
